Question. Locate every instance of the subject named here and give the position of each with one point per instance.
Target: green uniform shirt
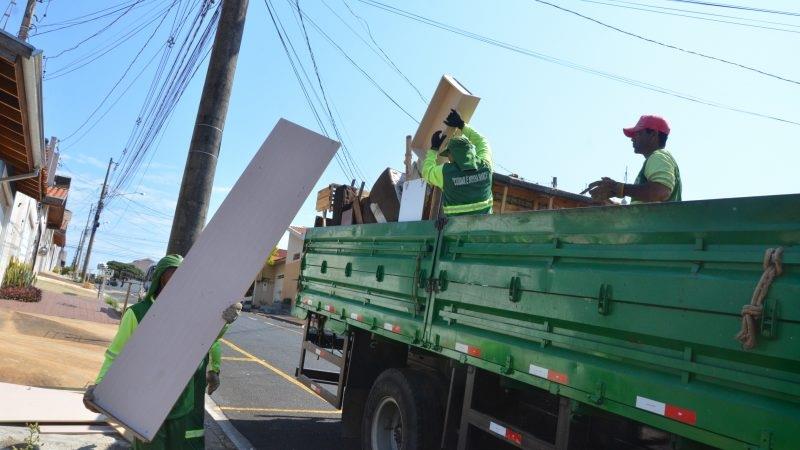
(661, 168)
(463, 191)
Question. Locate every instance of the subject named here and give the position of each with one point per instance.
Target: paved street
(261, 397)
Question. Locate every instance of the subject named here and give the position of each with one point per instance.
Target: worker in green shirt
(659, 180)
(183, 427)
(466, 179)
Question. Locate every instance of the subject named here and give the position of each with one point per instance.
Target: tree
(124, 271)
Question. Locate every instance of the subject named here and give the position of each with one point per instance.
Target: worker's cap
(459, 145)
(656, 123)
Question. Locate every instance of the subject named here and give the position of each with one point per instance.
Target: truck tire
(403, 412)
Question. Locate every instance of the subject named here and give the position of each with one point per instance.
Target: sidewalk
(61, 300)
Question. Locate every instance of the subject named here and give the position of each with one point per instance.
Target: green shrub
(18, 274)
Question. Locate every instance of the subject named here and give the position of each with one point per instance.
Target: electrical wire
(121, 78)
(380, 52)
(377, 85)
(305, 90)
(572, 65)
(98, 53)
(670, 46)
(97, 33)
(744, 8)
(649, 8)
(324, 96)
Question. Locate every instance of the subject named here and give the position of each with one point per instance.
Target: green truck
(589, 328)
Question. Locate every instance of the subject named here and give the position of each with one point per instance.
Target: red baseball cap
(657, 123)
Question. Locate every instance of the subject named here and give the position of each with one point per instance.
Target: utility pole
(26, 20)
(201, 163)
(76, 260)
(96, 223)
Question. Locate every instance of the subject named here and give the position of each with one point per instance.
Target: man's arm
(126, 328)
(431, 171)
(482, 149)
(652, 191)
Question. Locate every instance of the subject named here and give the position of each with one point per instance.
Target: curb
(285, 320)
(236, 438)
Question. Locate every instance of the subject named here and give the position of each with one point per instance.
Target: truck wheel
(403, 412)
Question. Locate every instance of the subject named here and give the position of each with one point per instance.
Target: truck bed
(628, 309)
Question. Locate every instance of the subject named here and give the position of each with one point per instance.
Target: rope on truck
(751, 313)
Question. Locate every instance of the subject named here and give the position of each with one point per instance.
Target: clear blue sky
(543, 120)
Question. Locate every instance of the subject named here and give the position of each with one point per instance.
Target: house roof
(513, 181)
(21, 132)
(56, 195)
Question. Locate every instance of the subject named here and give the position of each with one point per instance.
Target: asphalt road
(259, 395)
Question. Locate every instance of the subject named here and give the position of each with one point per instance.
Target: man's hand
(437, 139)
(454, 120)
(604, 189)
(232, 312)
(212, 380)
(88, 397)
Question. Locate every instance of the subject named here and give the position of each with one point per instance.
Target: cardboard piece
(413, 200)
(450, 94)
(25, 404)
(154, 367)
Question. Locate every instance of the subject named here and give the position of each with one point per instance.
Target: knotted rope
(751, 313)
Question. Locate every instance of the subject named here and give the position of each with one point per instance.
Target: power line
(359, 68)
(324, 96)
(97, 33)
(86, 18)
(670, 46)
(633, 6)
(122, 77)
(286, 45)
(744, 8)
(380, 51)
(570, 64)
(98, 53)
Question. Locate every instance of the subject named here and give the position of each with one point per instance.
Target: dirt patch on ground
(49, 351)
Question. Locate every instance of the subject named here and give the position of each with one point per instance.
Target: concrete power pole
(77, 258)
(201, 163)
(96, 221)
(26, 20)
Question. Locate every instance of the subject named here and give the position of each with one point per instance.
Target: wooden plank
(154, 367)
(26, 404)
(450, 94)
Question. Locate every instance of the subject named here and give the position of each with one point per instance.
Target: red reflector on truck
(506, 432)
(552, 375)
(330, 308)
(357, 317)
(391, 327)
(468, 349)
(662, 409)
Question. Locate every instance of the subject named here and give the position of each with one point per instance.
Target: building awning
(56, 199)
(60, 235)
(21, 129)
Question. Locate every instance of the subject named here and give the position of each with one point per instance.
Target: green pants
(186, 432)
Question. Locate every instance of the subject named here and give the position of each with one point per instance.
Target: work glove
(88, 399)
(212, 381)
(454, 120)
(604, 189)
(232, 312)
(437, 139)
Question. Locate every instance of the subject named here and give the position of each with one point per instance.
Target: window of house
(296, 256)
(279, 277)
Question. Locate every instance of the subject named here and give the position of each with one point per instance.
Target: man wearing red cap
(659, 180)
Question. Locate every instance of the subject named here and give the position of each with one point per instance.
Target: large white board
(25, 404)
(154, 367)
